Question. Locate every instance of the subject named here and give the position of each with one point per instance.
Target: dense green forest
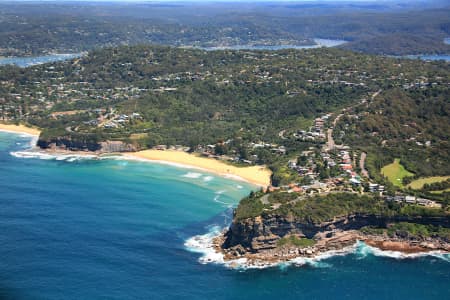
(322, 208)
(33, 28)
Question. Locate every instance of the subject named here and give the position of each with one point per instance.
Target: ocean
(117, 229)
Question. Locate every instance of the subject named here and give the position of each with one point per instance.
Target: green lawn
(441, 191)
(418, 184)
(395, 172)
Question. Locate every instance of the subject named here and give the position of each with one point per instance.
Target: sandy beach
(20, 129)
(259, 175)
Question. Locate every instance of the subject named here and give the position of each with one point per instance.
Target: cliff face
(256, 234)
(66, 143)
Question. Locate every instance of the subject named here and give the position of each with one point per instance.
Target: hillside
(281, 226)
(409, 123)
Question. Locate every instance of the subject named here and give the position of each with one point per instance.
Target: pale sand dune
(259, 175)
(20, 129)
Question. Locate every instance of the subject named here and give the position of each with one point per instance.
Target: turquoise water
(36, 60)
(116, 229)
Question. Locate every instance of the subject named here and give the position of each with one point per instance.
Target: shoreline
(340, 243)
(20, 129)
(346, 242)
(258, 175)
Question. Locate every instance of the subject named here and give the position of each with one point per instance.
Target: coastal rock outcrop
(67, 143)
(261, 234)
(91, 145)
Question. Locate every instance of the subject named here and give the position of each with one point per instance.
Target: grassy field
(418, 184)
(441, 191)
(395, 172)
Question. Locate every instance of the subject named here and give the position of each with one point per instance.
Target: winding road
(330, 145)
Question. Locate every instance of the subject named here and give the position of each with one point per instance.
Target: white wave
(239, 186)
(192, 175)
(208, 178)
(363, 250)
(203, 244)
(225, 204)
(48, 156)
(31, 154)
(217, 199)
(33, 141)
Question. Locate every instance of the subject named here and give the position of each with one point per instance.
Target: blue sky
(211, 0)
(244, 1)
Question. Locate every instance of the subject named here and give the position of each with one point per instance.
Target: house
(292, 163)
(410, 199)
(355, 181)
(297, 189)
(346, 167)
(280, 150)
(373, 187)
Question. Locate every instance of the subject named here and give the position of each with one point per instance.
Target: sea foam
(208, 178)
(203, 244)
(192, 175)
(217, 199)
(48, 156)
(363, 250)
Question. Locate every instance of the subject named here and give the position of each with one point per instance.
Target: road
(376, 94)
(281, 134)
(330, 141)
(362, 161)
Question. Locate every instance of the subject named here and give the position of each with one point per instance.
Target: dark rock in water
(68, 143)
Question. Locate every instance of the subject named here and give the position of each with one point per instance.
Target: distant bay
(318, 44)
(430, 57)
(426, 57)
(24, 62)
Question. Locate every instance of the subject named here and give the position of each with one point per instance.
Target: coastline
(258, 175)
(20, 129)
(344, 243)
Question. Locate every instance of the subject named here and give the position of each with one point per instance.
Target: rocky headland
(279, 237)
(87, 145)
